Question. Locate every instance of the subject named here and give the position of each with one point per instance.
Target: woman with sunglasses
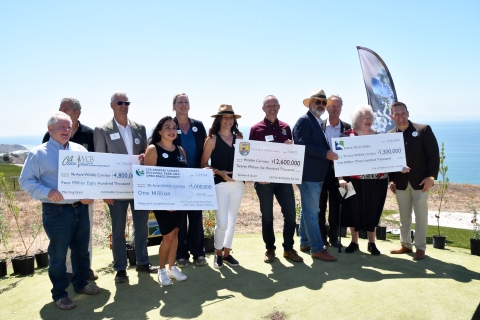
(219, 149)
(363, 210)
(191, 137)
(164, 153)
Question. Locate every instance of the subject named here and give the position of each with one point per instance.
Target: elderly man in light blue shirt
(66, 222)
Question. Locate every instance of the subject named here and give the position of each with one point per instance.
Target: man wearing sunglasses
(308, 132)
(124, 136)
(333, 127)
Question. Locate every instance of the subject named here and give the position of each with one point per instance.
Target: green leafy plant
(28, 229)
(440, 195)
(298, 207)
(208, 223)
(476, 231)
(104, 228)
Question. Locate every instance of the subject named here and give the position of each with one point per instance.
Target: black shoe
(147, 268)
(334, 243)
(352, 247)
(121, 276)
(372, 248)
(230, 260)
(92, 276)
(325, 243)
(218, 262)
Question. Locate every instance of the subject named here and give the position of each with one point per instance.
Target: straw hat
(226, 109)
(316, 94)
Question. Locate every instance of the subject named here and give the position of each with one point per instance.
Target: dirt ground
(249, 217)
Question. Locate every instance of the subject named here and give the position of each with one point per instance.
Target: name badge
(115, 136)
(269, 138)
(194, 129)
(137, 141)
(179, 131)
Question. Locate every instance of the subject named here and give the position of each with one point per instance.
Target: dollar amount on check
(165, 188)
(95, 175)
(376, 153)
(268, 162)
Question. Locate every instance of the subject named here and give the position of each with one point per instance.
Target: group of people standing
(180, 141)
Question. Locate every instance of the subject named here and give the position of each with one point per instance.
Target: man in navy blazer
(333, 128)
(308, 132)
(123, 136)
(412, 188)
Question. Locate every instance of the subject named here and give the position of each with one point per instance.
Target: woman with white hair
(363, 210)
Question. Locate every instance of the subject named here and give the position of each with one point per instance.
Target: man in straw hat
(308, 132)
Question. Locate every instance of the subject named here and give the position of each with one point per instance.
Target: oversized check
(268, 162)
(166, 188)
(95, 175)
(376, 153)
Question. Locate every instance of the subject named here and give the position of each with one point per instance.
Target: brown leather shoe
(419, 255)
(324, 255)
(292, 255)
(400, 250)
(269, 256)
(305, 249)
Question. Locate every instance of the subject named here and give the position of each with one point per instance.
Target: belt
(75, 204)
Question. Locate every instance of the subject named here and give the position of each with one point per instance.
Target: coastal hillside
(4, 148)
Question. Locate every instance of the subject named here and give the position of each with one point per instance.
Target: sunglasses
(127, 103)
(321, 102)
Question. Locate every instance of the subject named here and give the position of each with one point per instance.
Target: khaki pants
(416, 199)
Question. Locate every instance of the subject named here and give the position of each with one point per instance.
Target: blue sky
(231, 52)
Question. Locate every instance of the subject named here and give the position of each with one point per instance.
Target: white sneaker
(176, 273)
(163, 278)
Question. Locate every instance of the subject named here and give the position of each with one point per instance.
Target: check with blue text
(165, 188)
(95, 175)
(268, 162)
(376, 153)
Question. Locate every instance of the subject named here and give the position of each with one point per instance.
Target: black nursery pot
(132, 257)
(362, 234)
(42, 259)
(439, 242)
(209, 245)
(3, 268)
(381, 233)
(475, 246)
(24, 264)
(343, 232)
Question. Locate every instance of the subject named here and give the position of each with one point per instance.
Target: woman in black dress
(163, 152)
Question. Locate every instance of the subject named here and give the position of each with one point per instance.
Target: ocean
(462, 149)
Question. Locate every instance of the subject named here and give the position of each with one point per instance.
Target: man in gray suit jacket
(412, 188)
(123, 136)
(308, 132)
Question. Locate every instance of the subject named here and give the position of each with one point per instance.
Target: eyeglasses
(367, 119)
(119, 103)
(321, 102)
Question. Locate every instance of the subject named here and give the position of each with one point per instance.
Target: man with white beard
(308, 132)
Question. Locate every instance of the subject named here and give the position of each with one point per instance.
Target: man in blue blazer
(308, 132)
(123, 136)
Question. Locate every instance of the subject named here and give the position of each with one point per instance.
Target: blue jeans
(118, 212)
(191, 238)
(309, 230)
(286, 199)
(67, 226)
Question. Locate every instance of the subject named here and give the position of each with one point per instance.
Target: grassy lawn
(455, 237)
(10, 170)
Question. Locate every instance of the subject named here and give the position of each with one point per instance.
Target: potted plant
(440, 198)
(208, 230)
(475, 241)
(381, 230)
(23, 264)
(5, 235)
(131, 255)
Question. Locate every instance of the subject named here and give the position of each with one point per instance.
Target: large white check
(95, 175)
(268, 162)
(165, 188)
(376, 153)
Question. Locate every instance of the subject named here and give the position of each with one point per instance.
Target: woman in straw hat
(219, 149)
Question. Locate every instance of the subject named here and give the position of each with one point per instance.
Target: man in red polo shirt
(271, 129)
